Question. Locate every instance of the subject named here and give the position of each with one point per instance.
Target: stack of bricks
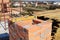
(30, 30)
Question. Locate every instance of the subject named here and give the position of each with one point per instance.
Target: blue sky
(42, 0)
(39, 0)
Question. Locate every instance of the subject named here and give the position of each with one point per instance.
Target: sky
(40, 0)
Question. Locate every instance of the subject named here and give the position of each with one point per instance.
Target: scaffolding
(6, 11)
(9, 11)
